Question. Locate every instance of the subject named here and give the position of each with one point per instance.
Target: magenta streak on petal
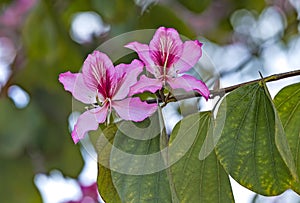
(165, 47)
(107, 83)
(95, 70)
(100, 75)
(104, 85)
(165, 57)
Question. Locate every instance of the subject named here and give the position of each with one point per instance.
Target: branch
(214, 93)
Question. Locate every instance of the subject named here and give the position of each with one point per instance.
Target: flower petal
(131, 72)
(145, 84)
(143, 52)
(88, 121)
(133, 109)
(95, 69)
(73, 82)
(165, 46)
(190, 56)
(189, 83)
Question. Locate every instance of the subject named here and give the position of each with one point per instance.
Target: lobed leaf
(197, 180)
(248, 147)
(287, 103)
(138, 168)
(104, 142)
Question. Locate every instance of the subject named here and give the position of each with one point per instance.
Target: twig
(214, 93)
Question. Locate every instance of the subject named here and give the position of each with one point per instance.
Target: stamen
(98, 101)
(93, 106)
(165, 63)
(109, 112)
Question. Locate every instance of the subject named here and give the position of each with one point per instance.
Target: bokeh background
(41, 38)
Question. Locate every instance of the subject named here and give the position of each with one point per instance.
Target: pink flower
(89, 194)
(167, 58)
(105, 87)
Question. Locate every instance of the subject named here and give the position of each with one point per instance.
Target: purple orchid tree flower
(90, 194)
(105, 87)
(167, 58)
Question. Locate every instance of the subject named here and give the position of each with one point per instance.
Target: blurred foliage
(154, 19)
(17, 181)
(36, 139)
(195, 5)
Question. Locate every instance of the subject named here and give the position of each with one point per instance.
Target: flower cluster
(109, 89)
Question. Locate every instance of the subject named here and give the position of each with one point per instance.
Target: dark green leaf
(287, 103)
(103, 144)
(197, 180)
(139, 173)
(247, 148)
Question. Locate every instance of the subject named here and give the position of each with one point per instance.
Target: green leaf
(138, 168)
(104, 145)
(247, 147)
(280, 139)
(197, 180)
(287, 103)
(195, 5)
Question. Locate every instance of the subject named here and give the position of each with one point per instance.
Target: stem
(214, 93)
(164, 143)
